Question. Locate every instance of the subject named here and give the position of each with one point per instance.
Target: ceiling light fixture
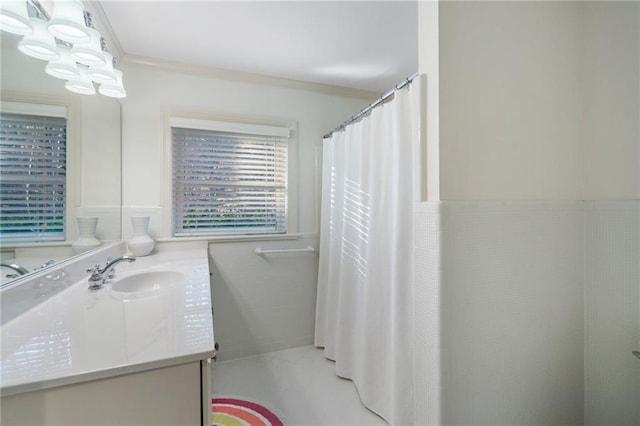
(14, 17)
(103, 74)
(74, 48)
(81, 84)
(89, 53)
(40, 44)
(67, 21)
(113, 90)
(64, 67)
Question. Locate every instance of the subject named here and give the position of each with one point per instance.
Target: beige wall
(538, 100)
(611, 100)
(429, 64)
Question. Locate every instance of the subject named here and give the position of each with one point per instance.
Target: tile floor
(299, 385)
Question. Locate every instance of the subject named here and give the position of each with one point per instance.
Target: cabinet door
(170, 396)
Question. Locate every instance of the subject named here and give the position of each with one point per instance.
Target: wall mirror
(93, 157)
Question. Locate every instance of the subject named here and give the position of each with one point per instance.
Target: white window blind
(229, 182)
(33, 150)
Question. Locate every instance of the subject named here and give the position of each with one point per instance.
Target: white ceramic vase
(86, 235)
(141, 243)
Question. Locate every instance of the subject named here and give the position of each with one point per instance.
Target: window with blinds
(33, 152)
(229, 179)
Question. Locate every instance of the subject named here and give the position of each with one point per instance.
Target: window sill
(43, 244)
(239, 238)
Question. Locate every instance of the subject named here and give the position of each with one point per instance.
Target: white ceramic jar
(86, 235)
(141, 244)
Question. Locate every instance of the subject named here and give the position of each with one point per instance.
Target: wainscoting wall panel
(512, 312)
(262, 303)
(612, 321)
(427, 390)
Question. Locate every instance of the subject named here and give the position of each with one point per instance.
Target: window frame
(39, 105)
(231, 124)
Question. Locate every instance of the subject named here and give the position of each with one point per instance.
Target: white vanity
(135, 352)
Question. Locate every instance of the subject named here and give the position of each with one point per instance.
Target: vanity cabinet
(170, 396)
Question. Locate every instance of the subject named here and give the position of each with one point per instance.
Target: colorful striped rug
(240, 412)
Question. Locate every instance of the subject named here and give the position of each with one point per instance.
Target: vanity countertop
(80, 335)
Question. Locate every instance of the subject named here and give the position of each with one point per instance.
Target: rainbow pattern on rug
(240, 412)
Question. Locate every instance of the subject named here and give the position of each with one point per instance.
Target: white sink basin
(147, 282)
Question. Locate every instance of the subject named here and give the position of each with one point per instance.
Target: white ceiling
(369, 45)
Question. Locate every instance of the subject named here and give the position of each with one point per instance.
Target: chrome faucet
(19, 269)
(100, 276)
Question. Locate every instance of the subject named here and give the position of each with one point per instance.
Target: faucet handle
(95, 280)
(45, 264)
(95, 273)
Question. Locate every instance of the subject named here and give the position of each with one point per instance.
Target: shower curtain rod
(365, 111)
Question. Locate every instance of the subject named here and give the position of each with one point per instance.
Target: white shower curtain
(364, 316)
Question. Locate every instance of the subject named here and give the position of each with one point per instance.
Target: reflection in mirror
(92, 160)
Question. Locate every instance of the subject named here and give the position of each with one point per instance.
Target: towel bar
(307, 249)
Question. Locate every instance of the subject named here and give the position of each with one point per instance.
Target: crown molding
(244, 76)
(104, 27)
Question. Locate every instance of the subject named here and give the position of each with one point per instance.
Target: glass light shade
(64, 67)
(113, 90)
(40, 44)
(82, 84)
(104, 74)
(14, 17)
(89, 53)
(67, 21)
